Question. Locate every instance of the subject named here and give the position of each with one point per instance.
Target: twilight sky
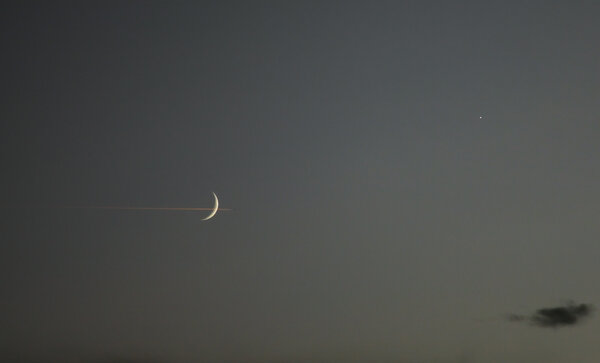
(376, 217)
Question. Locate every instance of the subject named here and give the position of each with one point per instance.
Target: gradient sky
(376, 217)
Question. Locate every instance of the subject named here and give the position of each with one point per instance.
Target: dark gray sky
(376, 216)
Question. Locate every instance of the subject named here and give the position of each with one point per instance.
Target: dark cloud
(126, 360)
(22, 357)
(569, 314)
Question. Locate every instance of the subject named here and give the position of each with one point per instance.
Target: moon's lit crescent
(215, 209)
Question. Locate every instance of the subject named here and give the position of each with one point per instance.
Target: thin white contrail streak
(115, 208)
(139, 208)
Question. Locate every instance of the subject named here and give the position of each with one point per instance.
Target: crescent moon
(215, 209)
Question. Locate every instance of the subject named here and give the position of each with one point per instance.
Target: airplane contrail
(139, 208)
(213, 210)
